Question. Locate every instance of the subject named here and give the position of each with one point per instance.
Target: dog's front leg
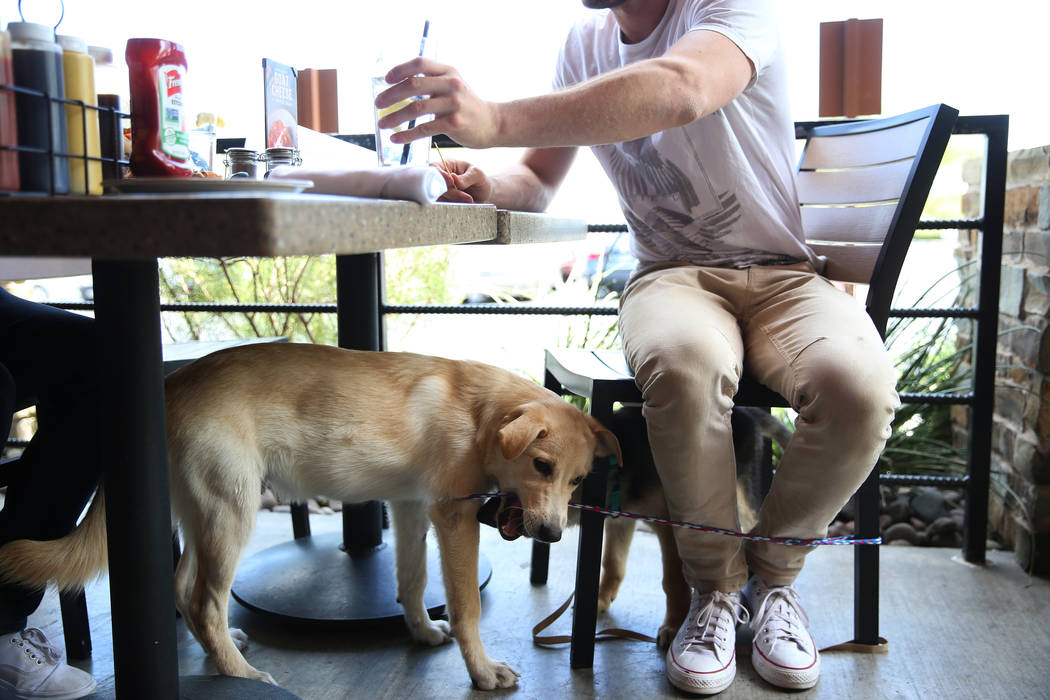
(457, 530)
(618, 535)
(676, 591)
(410, 530)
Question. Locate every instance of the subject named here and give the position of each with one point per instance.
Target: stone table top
(137, 226)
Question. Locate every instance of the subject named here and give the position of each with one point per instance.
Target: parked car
(485, 274)
(609, 264)
(51, 289)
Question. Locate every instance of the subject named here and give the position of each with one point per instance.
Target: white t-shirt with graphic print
(719, 191)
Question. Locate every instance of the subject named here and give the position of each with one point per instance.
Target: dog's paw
(432, 633)
(607, 590)
(263, 676)
(240, 639)
(665, 636)
(495, 674)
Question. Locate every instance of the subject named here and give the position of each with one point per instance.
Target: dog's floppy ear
(519, 429)
(608, 445)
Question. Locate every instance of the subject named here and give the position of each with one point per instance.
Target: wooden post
(318, 96)
(851, 68)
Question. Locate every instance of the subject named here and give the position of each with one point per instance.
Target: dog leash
(880, 647)
(790, 541)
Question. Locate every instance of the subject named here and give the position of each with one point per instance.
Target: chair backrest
(862, 187)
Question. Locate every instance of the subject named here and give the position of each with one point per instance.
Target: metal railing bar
(936, 399)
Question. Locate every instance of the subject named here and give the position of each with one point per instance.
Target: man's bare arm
(526, 186)
(531, 184)
(701, 73)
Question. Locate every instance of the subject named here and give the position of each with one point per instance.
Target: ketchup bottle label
(159, 140)
(173, 137)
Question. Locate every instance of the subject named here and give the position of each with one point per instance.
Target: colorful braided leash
(791, 541)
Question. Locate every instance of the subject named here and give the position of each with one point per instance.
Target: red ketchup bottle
(159, 141)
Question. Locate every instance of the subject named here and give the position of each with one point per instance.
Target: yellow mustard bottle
(85, 176)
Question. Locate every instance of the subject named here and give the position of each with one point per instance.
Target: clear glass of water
(389, 153)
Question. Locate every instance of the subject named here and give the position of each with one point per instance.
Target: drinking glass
(415, 153)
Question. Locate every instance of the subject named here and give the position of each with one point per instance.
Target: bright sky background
(983, 58)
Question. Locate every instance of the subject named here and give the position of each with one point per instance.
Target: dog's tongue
(504, 514)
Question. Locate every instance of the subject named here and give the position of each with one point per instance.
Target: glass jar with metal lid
(241, 163)
(279, 155)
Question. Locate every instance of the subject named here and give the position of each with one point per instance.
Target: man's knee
(848, 383)
(703, 369)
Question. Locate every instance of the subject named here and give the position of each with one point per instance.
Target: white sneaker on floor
(783, 651)
(31, 667)
(702, 657)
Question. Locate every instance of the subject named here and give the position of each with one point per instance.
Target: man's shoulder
(594, 26)
(591, 42)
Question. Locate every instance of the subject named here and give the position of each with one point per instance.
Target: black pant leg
(50, 356)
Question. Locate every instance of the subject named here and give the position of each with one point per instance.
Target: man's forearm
(623, 105)
(519, 189)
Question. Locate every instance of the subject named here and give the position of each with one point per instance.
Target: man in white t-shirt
(684, 102)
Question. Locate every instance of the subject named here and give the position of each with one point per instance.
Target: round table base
(217, 688)
(312, 580)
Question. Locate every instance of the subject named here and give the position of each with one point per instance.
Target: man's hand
(466, 183)
(457, 111)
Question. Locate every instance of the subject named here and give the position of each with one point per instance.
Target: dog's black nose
(548, 533)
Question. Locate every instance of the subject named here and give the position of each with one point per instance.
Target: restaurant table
(124, 235)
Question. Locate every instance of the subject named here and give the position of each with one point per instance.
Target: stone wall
(1019, 506)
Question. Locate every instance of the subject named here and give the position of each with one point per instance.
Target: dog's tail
(70, 562)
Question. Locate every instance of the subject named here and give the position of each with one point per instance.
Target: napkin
(419, 184)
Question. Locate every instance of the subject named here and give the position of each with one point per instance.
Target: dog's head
(545, 449)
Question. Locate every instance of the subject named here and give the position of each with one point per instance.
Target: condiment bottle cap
(102, 55)
(72, 43)
(31, 31)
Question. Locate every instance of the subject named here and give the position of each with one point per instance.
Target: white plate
(154, 185)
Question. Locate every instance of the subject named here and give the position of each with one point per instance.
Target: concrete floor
(954, 631)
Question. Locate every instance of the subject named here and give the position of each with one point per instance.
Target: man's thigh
(684, 312)
(797, 316)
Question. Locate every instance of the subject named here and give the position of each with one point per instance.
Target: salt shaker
(279, 155)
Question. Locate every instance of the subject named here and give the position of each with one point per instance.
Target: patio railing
(979, 400)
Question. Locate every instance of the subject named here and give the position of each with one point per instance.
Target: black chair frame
(603, 379)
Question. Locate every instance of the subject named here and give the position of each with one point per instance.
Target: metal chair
(862, 188)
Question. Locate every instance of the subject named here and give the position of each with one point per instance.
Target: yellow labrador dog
(413, 430)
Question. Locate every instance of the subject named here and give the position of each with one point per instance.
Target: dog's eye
(543, 467)
(576, 481)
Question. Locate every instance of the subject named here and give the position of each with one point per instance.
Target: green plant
(414, 276)
(289, 280)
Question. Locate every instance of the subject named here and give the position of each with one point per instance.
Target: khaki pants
(688, 332)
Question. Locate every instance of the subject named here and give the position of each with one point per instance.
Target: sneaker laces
(34, 642)
(713, 620)
(782, 612)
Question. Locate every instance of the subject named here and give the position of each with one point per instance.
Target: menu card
(280, 103)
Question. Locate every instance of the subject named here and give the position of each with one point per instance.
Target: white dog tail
(70, 562)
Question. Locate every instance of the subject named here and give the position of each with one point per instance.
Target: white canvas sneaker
(702, 657)
(783, 651)
(31, 667)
